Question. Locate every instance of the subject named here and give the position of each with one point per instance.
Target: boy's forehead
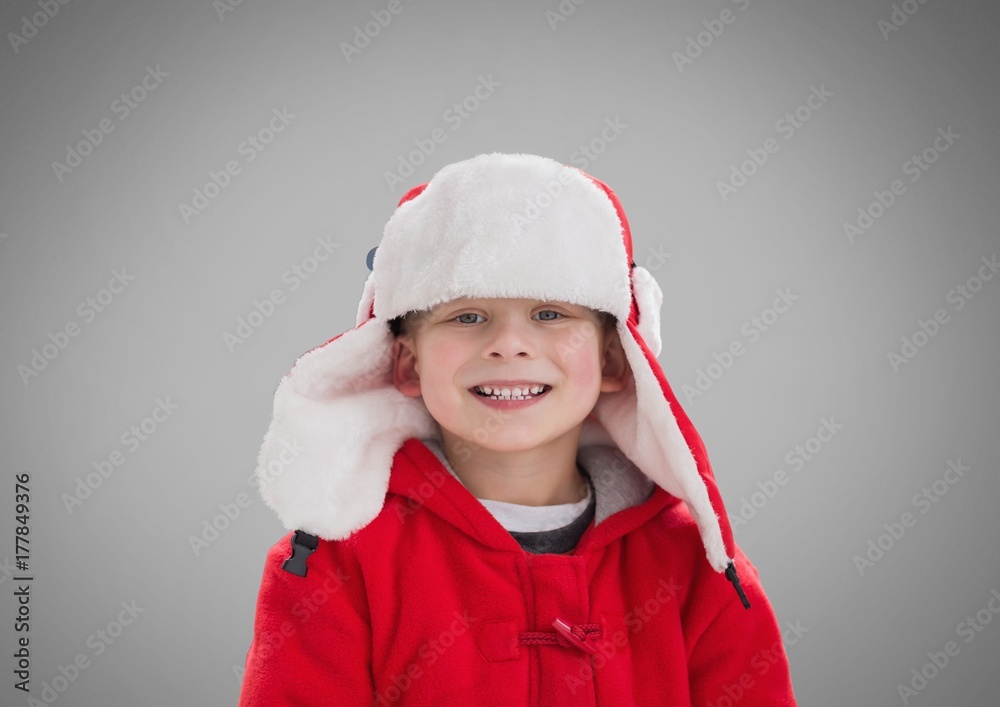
(499, 302)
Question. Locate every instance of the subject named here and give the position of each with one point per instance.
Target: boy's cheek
(582, 339)
(446, 362)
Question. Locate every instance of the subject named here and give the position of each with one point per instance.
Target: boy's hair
(406, 323)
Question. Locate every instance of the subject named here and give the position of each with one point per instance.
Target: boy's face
(468, 343)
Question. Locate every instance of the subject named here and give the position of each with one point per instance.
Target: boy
(495, 496)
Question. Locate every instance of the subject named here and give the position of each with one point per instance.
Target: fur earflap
(338, 421)
(649, 300)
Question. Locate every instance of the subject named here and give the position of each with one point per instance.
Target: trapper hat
(495, 225)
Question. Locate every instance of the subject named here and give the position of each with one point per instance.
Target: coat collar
(422, 480)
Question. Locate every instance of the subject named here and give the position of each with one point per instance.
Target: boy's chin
(509, 441)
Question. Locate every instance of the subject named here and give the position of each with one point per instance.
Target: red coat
(434, 603)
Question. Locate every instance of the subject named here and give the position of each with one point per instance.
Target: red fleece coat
(435, 603)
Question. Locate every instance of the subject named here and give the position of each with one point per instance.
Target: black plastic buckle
(735, 579)
(303, 545)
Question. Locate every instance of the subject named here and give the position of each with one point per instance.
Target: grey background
(324, 175)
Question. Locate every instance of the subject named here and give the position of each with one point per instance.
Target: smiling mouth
(511, 393)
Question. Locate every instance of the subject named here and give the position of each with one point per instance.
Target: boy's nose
(508, 339)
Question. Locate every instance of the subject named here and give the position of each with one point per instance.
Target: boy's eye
(464, 318)
(545, 315)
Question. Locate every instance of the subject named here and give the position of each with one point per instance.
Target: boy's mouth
(519, 392)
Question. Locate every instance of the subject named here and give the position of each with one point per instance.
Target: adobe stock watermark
(923, 500)
(969, 630)
(635, 620)
(419, 494)
(698, 44)
(6, 570)
(752, 329)
(587, 154)
(213, 528)
(454, 117)
(31, 25)
(87, 311)
(797, 458)
(249, 149)
(914, 168)
(131, 439)
(656, 259)
(364, 34)
(582, 157)
(958, 297)
(270, 643)
(786, 126)
(760, 663)
(535, 205)
(899, 16)
(224, 7)
(293, 277)
(123, 106)
(563, 11)
(98, 642)
(428, 654)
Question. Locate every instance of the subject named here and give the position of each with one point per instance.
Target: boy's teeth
(517, 393)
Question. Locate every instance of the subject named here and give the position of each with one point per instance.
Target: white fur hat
(490, 226)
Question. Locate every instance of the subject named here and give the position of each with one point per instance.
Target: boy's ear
(405, 371)
(615, 371)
